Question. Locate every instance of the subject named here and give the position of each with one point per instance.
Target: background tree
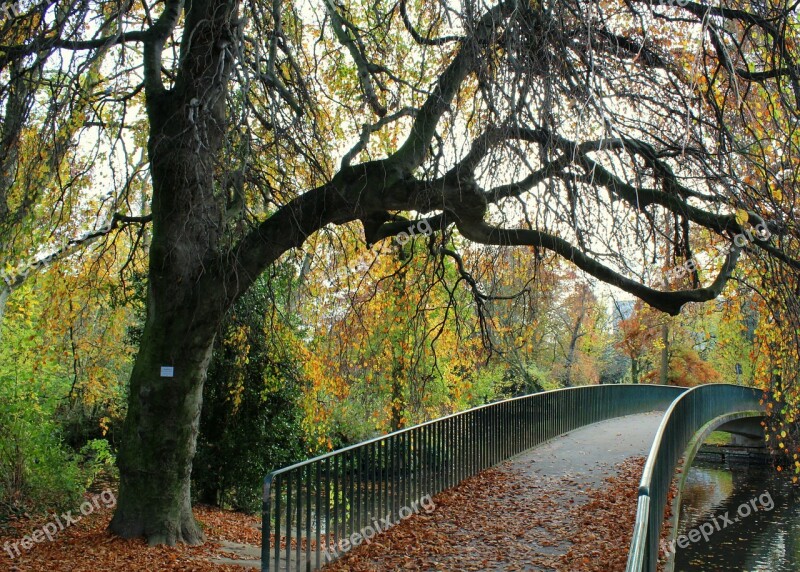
(385, 334)
(522, 332)
(637, 335)
(252, 398)
(64, 364)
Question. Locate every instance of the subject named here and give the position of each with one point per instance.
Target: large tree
(571, 126)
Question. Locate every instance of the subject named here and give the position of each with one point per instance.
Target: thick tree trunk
(186, 301)
(160, 431)
(185, 305)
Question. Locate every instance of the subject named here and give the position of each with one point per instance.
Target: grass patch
(718, 438)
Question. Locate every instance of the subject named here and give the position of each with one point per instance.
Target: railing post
(266, 527)
(299, 523)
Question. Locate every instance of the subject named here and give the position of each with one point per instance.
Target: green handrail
(687, 415)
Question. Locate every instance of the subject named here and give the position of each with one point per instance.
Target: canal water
(750, 517)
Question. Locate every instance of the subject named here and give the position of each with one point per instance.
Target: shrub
(37, 471)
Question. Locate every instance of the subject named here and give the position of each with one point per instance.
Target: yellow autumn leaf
(777, 194)
(741, 216)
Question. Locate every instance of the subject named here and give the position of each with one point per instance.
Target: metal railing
(314, 509)
(684, 418)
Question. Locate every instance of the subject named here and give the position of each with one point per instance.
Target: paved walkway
(587, 456)
(238, 554)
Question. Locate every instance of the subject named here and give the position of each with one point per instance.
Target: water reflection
(764, 540)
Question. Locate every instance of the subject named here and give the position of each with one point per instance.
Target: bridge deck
(589, 455)
(518, 515)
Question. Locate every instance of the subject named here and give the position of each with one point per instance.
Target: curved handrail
(644, 386)
(310, 507)
(682, 420)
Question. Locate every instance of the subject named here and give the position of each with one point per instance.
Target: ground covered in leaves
(502, 520)
(499, 519)
(88, 547)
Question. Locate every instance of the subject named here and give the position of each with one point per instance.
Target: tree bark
(185, 305)
(160, 431)
(399, 373)
(5, 292)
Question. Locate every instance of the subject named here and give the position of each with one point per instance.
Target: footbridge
(318, 509)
